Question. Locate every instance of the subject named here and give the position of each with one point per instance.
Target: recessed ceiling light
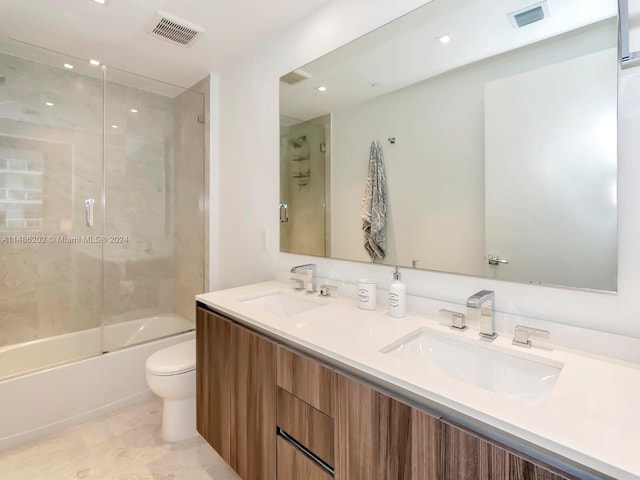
(444, 39)
(49, 104)
(94, 62)
(114, 126)
(321, 88)
(133, 110)
(68, 65)
(101, 2)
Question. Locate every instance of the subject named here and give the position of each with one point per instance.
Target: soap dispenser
(397, 296)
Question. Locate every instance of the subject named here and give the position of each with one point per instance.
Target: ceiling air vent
(527, 16)
(294, 77)
(174, 29)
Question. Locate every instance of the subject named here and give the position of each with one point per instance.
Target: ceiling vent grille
(174, 29)
(527, 16)
(296, 76)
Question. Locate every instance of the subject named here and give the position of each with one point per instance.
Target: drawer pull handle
(304, 450)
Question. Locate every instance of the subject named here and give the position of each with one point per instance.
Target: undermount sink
(279, 303)
(520, 377)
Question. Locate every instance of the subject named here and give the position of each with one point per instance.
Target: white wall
(245, 172)
(550, 172)
(436, 199)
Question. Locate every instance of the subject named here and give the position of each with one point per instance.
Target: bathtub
(78, 384)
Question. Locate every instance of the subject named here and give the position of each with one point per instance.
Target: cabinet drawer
(308, 426)
(295, 465)
(306, 379)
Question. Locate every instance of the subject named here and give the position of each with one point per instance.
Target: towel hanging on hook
(374, 205)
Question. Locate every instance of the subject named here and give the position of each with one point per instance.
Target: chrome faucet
(481, 307)
(522, 333)
(457, 319)
(304, 268)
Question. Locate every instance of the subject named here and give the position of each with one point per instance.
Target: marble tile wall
(138, 276)
(40, 295)
(57, 287)
(188, 202)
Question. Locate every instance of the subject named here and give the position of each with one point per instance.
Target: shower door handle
(284, 213)
(88, 210)
(496, 260)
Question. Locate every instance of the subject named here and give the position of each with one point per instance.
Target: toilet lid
(173, 360)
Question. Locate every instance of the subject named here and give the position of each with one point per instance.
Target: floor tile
(124, 445)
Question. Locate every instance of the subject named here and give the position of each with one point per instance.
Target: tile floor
(124, 445)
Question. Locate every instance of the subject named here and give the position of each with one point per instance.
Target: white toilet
(171, 374)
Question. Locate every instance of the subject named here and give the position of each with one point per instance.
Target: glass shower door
(51, 137)
(154, 223)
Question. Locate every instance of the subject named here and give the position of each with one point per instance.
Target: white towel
(374, 205)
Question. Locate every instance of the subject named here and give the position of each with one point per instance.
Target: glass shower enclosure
(101, 208)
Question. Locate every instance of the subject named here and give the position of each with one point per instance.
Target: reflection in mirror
(499, 143)
(304, 182)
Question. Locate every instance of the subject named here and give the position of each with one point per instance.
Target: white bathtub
(48, 352)
(138, 331)
(43, 402)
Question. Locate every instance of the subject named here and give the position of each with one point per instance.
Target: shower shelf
(22, 172)
(21, 223)
(300, 158)
(19, 165)
(20, 188)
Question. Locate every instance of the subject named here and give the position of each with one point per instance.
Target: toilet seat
(174, 360)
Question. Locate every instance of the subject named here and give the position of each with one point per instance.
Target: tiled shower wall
(55, 287)
(43, 292)
(140, 184)
(189, 199)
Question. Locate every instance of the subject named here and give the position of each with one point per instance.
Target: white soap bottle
(397, 296)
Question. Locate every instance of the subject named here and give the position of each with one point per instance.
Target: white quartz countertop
(591, 417)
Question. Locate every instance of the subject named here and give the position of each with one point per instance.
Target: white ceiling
(406, 51)
(115, 33)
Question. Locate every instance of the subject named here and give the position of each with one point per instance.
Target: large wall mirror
(497, 121)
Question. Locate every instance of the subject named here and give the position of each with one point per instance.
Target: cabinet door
(425, 446)
(467, 457)
(253, 405)
(380, 437)
(213, 390)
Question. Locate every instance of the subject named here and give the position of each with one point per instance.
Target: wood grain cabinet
(258, 400)
(305, 410)
(294, 465)
(309, 380)
(308, 426)
(236, 394)
(213, 377)
(468, 457)
(382, 438)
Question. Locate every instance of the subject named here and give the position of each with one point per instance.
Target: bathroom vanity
(291, 385)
